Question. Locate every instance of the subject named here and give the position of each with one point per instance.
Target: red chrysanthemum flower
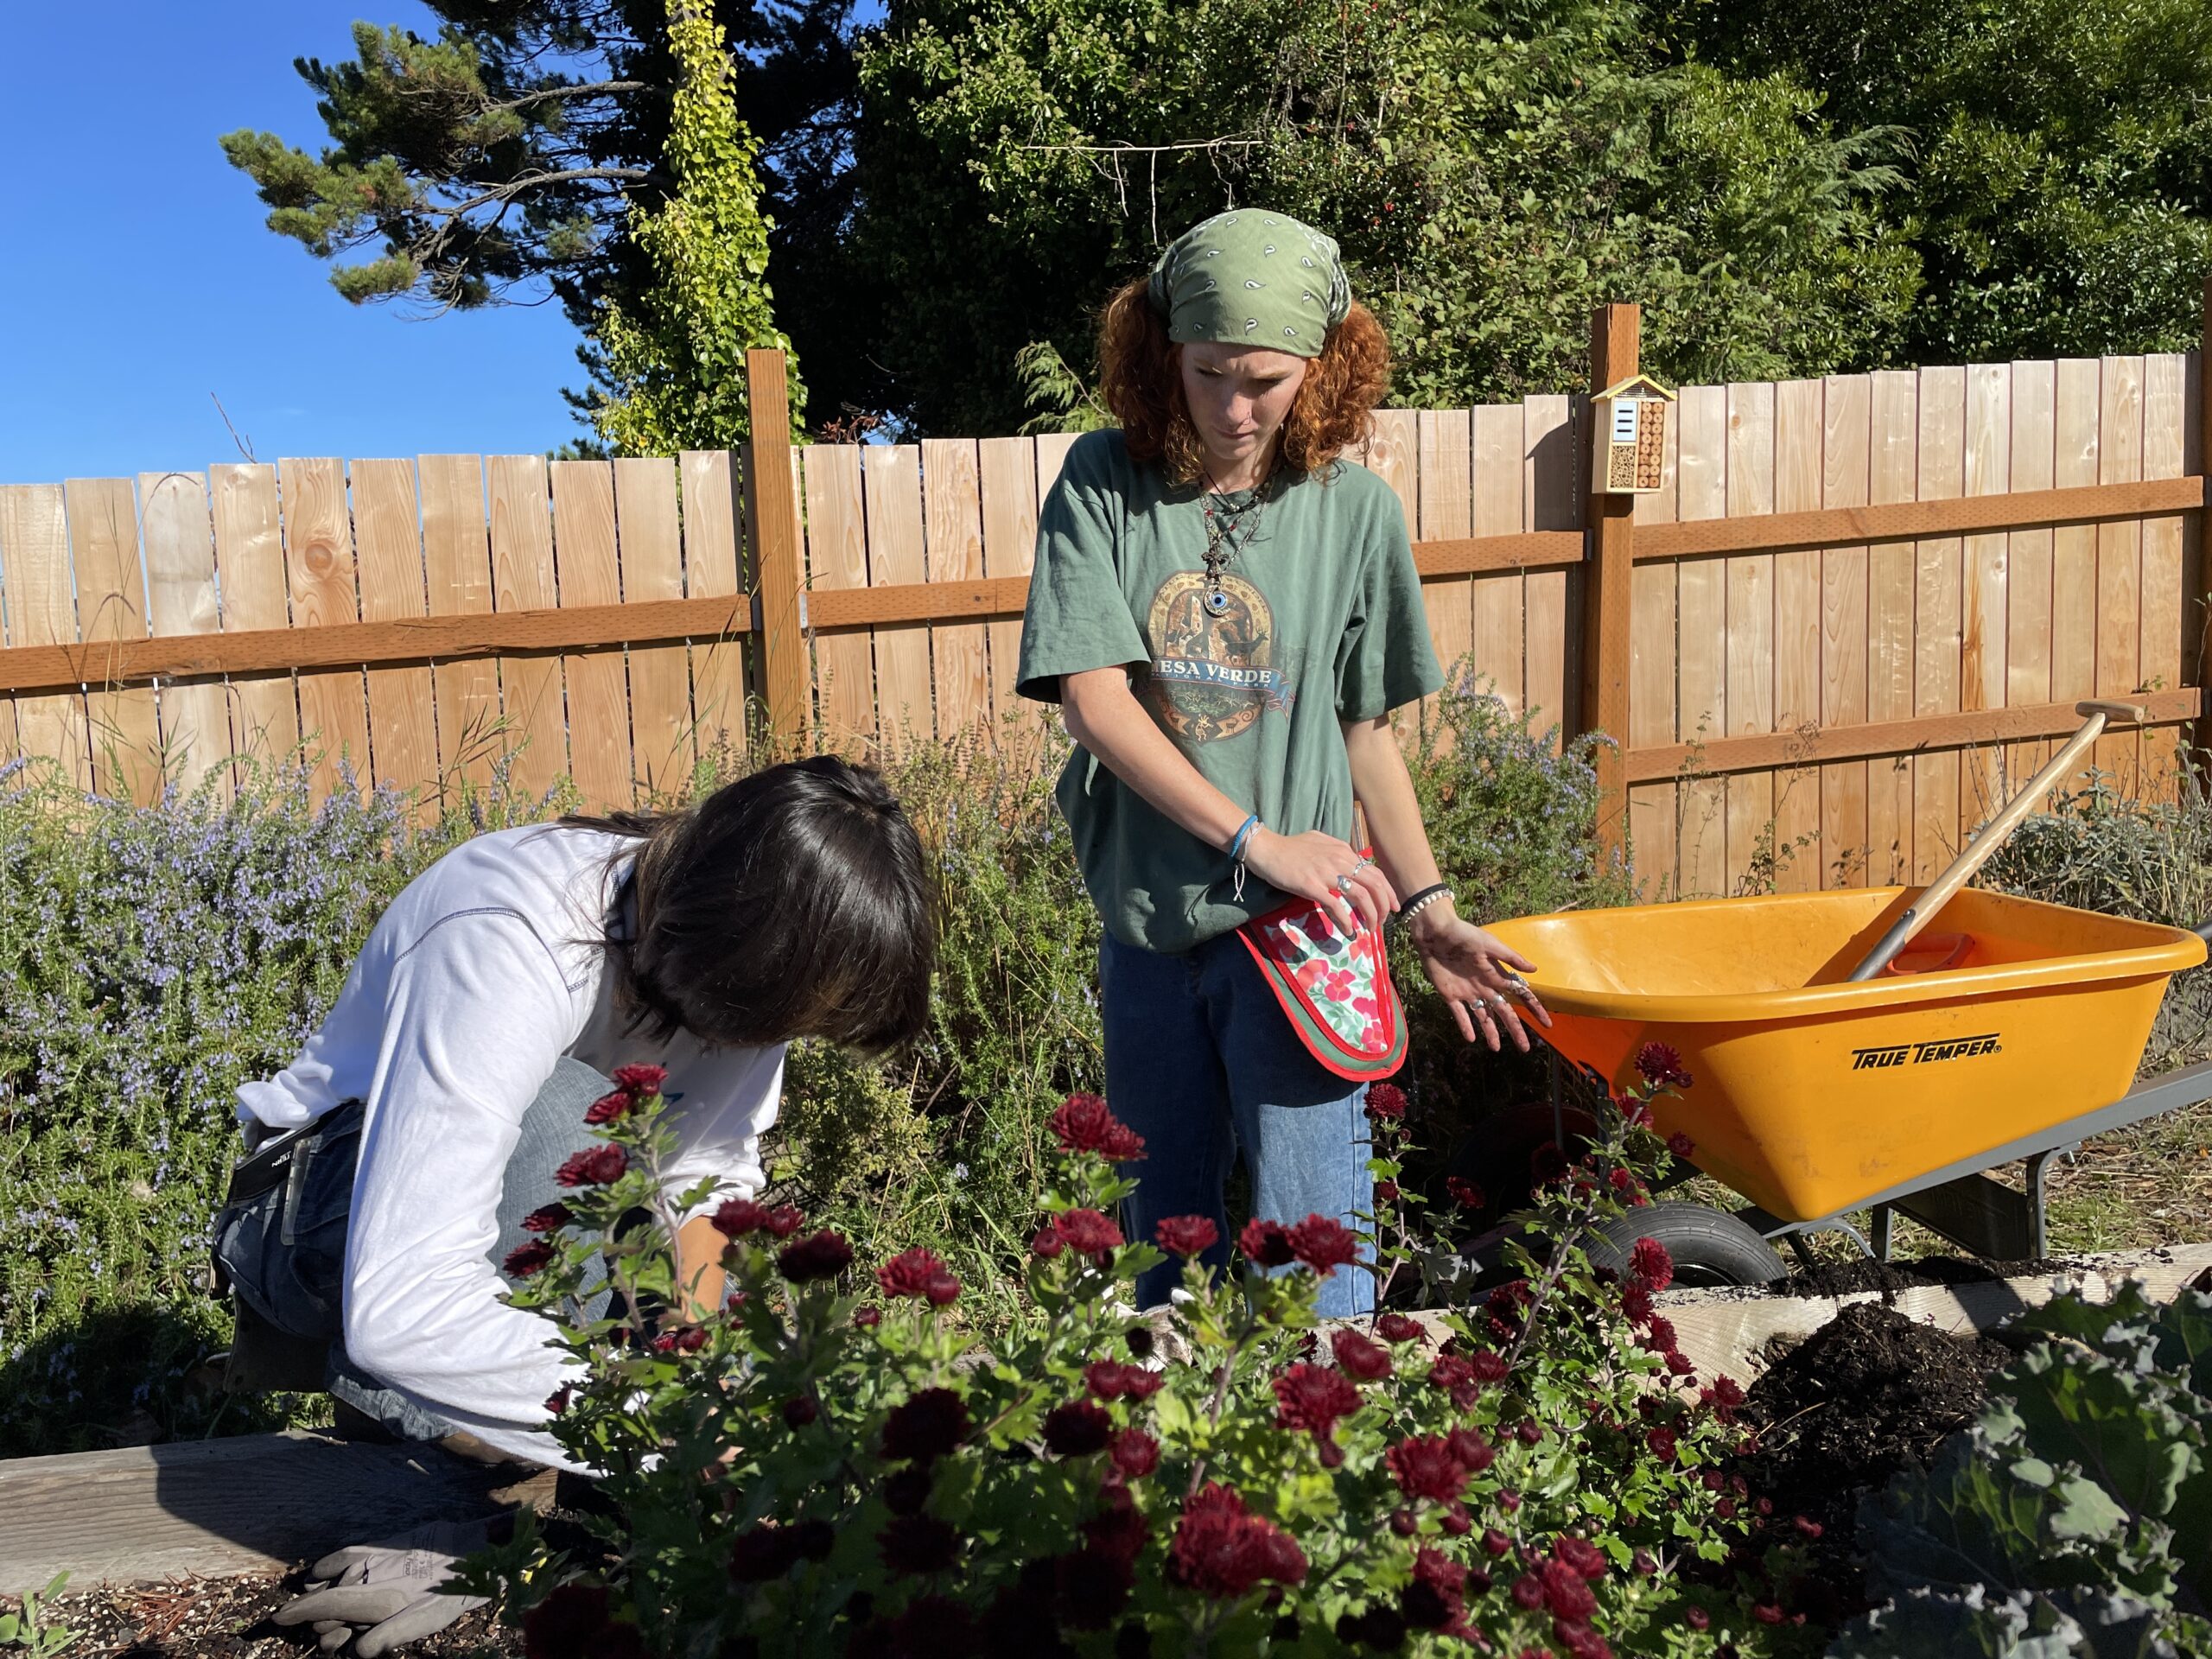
(595, 1168)
(1661, 1440)
(1362, 1356)
(1635, 1110)
(1658, 1335)
(761, 1554)
(1636, 1302)
(1681, 1145)
(1582, 1555)
(1474, 1452)
(1094, 1235)
(1386, 1101)
(800, 1412)
(1266, 1243)
(1423, 1466)
(1661, 1063)
(1110, 1380)
(1437, 1597)
(823, 1254)
(783, 1221)
(1134, 1454)
(546, 1219)
(642, 1081)
(527, 1259)
(1187, 1236)
(1313, 1397)
(918, 1273)
(1224, 1551)
(1488, 1365)
(557, 1402)
(917, 1544)
(1649, 1260)
(1076, 1429)
(1323, 1244)
(1465, 1194)
(1386, 1191)
(1566, 1593)
(736, 1217)
(1396, 1327)
(1084, 1124)
(608, 1109)
(925, 1426)
(1120, 1530)
(1047, 1244)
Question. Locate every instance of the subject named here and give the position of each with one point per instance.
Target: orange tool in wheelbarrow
(1876, 1048)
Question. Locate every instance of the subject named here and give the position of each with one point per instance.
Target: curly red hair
(1141, 380)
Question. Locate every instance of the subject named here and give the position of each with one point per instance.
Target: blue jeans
(287, 1259)
(1202, 1062)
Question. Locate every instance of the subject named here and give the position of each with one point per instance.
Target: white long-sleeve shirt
(484, 972)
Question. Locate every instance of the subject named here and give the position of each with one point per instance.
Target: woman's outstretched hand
(1309, 866)
(1468, 969)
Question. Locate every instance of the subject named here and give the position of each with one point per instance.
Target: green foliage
(2056, 188)
(1057, 392)
(1199, 1478)
(2076, 1515)
(27, 1630)
(674, 355)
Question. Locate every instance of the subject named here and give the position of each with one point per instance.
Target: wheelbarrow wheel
(1709, 1247)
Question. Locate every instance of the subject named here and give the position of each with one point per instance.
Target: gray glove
(380, 1596)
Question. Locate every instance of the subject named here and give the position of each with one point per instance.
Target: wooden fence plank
(457, 565)
(1393, 454)
(714, 569)
(650, 538)
(181, 597)
(41, 611)
(836, 558)
(892, 483)
(1982, 631)
(1654, 809)
(1445, 475)
(1701, 609)
(1551, 501)
(533, 709)
(250, 556)
(320, 573)
(585, 562)
(1798, 435)
(1939, 576)
(1498, 451)
(952, 538)
(1051, 453)
(2165, 388)
(1006, 472)
(1892, 465)
(1750, 655)
(2027, 585)
(124, 721)
(2119, 561)
(1846, 403)
(2074, 547)
(388, 542)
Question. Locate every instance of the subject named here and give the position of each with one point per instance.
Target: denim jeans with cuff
(285, 1257)
(1202, 1062)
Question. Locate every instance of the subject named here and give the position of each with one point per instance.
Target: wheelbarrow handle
(2095, 714)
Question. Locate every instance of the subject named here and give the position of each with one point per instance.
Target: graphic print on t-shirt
(1212, 675)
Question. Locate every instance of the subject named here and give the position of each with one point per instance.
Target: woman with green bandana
(1226, 613)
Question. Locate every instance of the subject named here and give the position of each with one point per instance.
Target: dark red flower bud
(823, 1254)
(1386, 1101)
(1396, 1327)
(525, 1260)
(640, 1080)
(1456, 1523)
(1404, 1523)
(1076, 1429)
(1495, 1543)
(1266, 1243)
(1134, 1454)
(1084, 1124)
(1360, 1357)
(546, 1219)
(800, 1411)
(596, 1167)
(1187, 1236)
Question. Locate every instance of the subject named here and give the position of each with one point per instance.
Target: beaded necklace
(1229, 529)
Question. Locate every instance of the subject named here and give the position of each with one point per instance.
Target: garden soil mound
(1863, 1397)
(1864, 1273)
(229, 1619)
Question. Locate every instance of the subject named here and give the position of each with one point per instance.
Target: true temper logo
(1951, 1048)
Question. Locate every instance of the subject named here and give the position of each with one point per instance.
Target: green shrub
(2076, 1515)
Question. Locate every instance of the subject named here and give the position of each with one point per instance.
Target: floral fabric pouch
(1335, 991)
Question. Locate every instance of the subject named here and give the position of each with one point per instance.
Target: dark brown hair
(1141, 379)
(794, 902)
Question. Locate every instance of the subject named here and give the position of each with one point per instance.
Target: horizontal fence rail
(1857, 608)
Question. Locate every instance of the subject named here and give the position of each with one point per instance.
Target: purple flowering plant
(838, 1458)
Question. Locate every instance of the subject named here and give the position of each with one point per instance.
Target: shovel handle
(2096, 713)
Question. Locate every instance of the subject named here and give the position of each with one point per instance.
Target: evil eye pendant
(1217, 602)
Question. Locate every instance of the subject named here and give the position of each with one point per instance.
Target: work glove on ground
(380, 1596)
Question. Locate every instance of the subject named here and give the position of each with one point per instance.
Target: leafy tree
(674, 356)
(2060, 160)
(495, 162)
(1493, 167)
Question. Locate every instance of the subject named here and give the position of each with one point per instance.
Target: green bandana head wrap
(1248, 277)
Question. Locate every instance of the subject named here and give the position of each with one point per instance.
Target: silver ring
(1344, 884)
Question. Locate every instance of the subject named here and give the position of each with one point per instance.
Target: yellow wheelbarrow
(1876, 1049)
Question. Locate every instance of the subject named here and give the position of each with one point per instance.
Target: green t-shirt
(1324, 624)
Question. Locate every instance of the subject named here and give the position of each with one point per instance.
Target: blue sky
(136, 278)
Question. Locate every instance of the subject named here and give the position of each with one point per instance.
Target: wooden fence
(1857, 604)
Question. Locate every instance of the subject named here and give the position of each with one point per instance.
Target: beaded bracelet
(1421, 900)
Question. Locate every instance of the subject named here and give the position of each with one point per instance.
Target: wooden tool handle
(1937, 893)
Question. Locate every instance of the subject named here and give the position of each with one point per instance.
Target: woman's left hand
(1470, 969)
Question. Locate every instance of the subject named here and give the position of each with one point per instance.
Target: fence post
(773, 531)
(1608, 584)
(2202, 735)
